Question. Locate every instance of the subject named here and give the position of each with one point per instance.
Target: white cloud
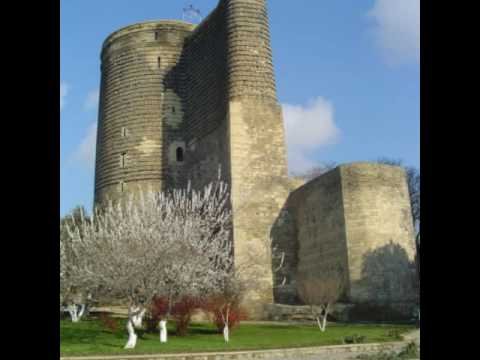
(397, 29)
(91, 101)
(85, 153)
(64, 87)
(308, 128)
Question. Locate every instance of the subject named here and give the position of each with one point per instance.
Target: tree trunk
(75, 313)
(81, 312)
(72, 310)
(324, 323)
(226, 333)
(132, 337)
(135, 317)
(163, 331)
(226, 330)
(138, 318)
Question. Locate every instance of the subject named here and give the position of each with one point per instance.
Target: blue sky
(347, 72)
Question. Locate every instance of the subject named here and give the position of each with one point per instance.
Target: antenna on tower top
(191, 14)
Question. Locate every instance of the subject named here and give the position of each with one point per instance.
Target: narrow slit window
(173, 109)
(123, 186)
(122, 160)
(156, 35)
(159, 61)
(124, 131)
(179, 154)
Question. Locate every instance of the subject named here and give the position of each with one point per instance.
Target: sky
(347, 72)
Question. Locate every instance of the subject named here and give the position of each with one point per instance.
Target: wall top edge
(366, 165)
(149, 25)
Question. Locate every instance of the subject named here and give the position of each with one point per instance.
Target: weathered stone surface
(357, 216)
(180, 101)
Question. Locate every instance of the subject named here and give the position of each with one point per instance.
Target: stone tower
(136, 106)
(178, 101)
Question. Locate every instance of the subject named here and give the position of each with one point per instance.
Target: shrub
(182, 312)
(354, 339)
(215, 307)
(108, 322)
(395, 334)
(158, 310)
(236, 314)
(408, 352)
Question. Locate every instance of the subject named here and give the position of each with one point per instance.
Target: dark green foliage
(395, 334)
(109, 323)
(408, 352)
(354, 339)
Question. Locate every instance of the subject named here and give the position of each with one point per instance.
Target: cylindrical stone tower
(140, 115)
(258, 162)
(249, 52)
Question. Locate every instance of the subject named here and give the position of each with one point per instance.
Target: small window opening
(123, 186)
(122, 160)
(173, 109)
(124, 131)
(159, 61)
(179, 154)
(156, 35)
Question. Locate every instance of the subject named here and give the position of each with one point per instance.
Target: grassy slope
(90, 338)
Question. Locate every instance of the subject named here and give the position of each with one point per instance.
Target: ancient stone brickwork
(317, 208)
(357, 216)
(136, 116)
(180, 101)
(249, 53)
(257, 142)
(204, 91)
(379, 232)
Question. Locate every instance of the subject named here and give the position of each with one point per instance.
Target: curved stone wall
(250, 67)
(140, 116)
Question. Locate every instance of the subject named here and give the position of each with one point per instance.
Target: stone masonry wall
(204, 82)
(179, 101)
(379, 231)
(357, 216)
(317, 208)
(136, 116)
(257, 141)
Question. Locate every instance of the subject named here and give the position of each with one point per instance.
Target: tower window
(159, 61)
(156, 35)
(122, 186)
(122, 159)
(173, 109)
(124, 131)
(179, 154)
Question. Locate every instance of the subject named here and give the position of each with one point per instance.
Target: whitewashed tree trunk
(81, 312)
(75, 314)
(226, 330)
(72, 310)
(324, 323)
(226, 333)
(132, 337)
(135, 319)
(138, 318)
(163, 331)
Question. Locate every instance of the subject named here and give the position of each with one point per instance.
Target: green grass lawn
(88, 337)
